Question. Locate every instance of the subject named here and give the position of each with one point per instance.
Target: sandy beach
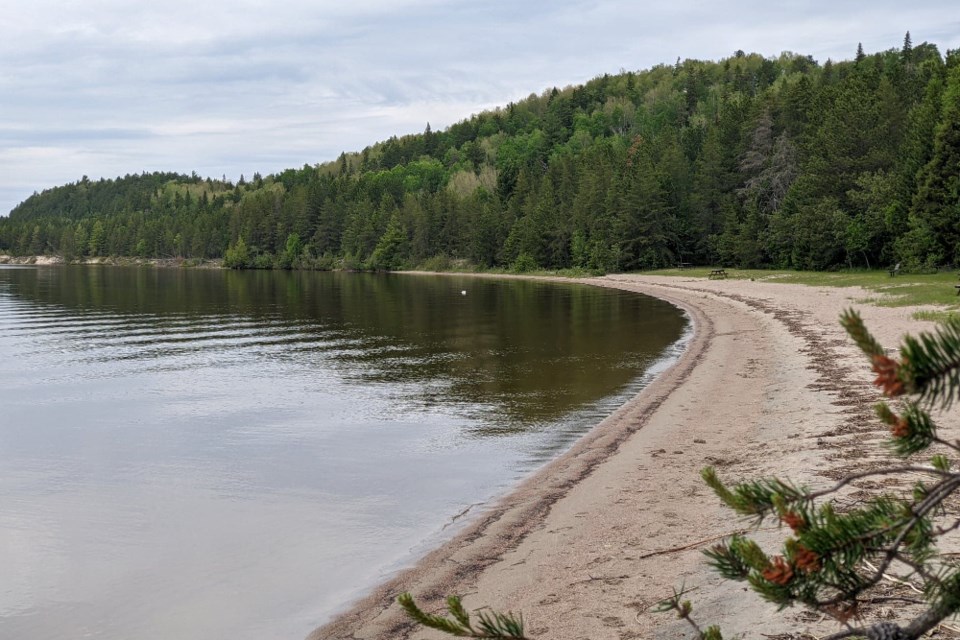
(586, 545)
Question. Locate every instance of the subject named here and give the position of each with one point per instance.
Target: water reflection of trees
(531, 350)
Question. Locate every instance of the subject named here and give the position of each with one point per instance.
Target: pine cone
(779, 572)
(887, 370)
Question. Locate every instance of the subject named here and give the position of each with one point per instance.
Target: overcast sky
(108, 87)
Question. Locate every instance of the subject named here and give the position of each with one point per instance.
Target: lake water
(194, 454)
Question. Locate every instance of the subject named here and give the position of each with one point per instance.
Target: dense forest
(749, 161)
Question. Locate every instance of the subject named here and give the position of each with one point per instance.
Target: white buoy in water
(464, 292)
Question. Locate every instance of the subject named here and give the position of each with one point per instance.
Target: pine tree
(836, 557)
(97, 241)
(936, 204)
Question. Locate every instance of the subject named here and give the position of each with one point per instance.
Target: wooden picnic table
(718, 273)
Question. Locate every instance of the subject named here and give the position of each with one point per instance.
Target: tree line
(747, 161)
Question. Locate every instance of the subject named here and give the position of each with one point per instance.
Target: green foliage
(748, 161)
(98, 241)
(683, 609)
(935, 212)
(836, 557)
(292, 253)
(237, 256)
(853, 324)
(264, 261)
(759, 499)
(489, 624)
(919, 429)
(931, 364)
(437, 263)
(391, 249)
(736, 558)
(524, 264)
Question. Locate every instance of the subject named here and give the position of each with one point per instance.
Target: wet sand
(585, 546)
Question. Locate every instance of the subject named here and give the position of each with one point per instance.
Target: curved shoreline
(585, 545)
(511, 518)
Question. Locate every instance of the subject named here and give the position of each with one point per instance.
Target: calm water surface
(211, 455)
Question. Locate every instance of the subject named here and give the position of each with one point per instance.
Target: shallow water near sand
(212, 454)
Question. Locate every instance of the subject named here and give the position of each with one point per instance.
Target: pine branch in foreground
(835, 558)
(490, 624)
(683, 609)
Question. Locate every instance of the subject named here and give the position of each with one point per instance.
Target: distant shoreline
(117, 261)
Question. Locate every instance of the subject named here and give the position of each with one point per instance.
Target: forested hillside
(748, 161)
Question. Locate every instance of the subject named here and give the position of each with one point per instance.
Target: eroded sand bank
(585, 546)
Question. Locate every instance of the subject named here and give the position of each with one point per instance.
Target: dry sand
(586, 545)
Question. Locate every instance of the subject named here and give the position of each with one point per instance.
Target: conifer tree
(735, 148)
(907, 52)
(937, 202)
(835, 557)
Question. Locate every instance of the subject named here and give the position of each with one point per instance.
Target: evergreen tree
(906, 53)
(836, 557)
(752, 159)
(237, 256)
(837, 553)
(644, 219)
(936, 206)
(97, 241)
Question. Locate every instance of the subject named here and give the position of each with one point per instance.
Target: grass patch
(936, 316)
(899, 291)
